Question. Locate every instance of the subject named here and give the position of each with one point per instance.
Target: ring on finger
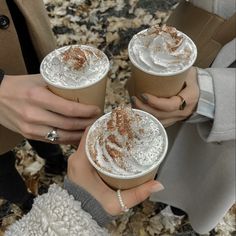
(183, 103)
(124, 208)
(52, 135)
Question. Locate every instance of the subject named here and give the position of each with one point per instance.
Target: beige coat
(11, 59)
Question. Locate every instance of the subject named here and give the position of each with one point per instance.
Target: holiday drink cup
(160, 61)
(126, 150)
(77, 73)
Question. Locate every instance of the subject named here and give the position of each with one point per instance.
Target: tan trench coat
(11, 59)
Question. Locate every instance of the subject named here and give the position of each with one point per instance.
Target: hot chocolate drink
(162, 50)
(160, 59)
(77, 72)
(74, 66)
(126, 144)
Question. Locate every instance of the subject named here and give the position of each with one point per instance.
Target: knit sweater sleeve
(56, 213)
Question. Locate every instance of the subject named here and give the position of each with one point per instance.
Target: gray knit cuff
(88, 203)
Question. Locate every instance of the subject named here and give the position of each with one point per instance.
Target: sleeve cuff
(206, 104)
(88, 203)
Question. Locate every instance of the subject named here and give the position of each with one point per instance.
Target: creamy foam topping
(162, 50)
(74, 66)
(126, 142)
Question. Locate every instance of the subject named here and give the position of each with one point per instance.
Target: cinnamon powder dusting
(178, 39)
(113, 152)
(112, 139)
(76, 57)
(121, 121)
(121, 143)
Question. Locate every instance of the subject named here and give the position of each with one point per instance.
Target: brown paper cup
(155, 83)
(127, 182)
(92, 94)
(160, 86)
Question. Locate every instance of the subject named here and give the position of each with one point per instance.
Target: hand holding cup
(81, 172)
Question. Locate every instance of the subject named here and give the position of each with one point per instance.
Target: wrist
(88, 203)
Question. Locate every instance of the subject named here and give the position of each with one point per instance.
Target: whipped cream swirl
(126, 142)
(74, 66)
(162, 50)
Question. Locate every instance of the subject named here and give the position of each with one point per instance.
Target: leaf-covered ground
(108, 25)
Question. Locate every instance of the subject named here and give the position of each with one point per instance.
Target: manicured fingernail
(184, 85)
(132, 100)
(144, 98)
(156, 187)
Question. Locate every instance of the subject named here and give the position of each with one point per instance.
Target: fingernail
(184, 85)
(156, 187)
(144, 98)
(132, 100)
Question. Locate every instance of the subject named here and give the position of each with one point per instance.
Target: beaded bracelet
(2, 73)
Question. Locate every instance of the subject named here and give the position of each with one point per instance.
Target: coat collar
(39, 25)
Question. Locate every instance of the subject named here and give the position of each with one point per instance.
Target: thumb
(138, 194)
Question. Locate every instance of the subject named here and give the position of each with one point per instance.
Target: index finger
(164, 104)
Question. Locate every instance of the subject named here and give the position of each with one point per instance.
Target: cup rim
(161, 74)
(74, 87)
(163, 131)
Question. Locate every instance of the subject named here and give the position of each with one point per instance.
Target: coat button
(4, 22)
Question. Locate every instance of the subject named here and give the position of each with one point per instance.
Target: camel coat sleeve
(11, 58)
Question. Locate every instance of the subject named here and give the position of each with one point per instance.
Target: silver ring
(52, 135)
(124, 208)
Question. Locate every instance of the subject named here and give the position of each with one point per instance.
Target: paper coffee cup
(146, 156)
(77, 73)
(160, 61)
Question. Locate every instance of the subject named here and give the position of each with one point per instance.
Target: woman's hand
(29, 108)
(81, 172)
(168, 110)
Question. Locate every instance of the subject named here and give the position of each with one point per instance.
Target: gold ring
(183, 103)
